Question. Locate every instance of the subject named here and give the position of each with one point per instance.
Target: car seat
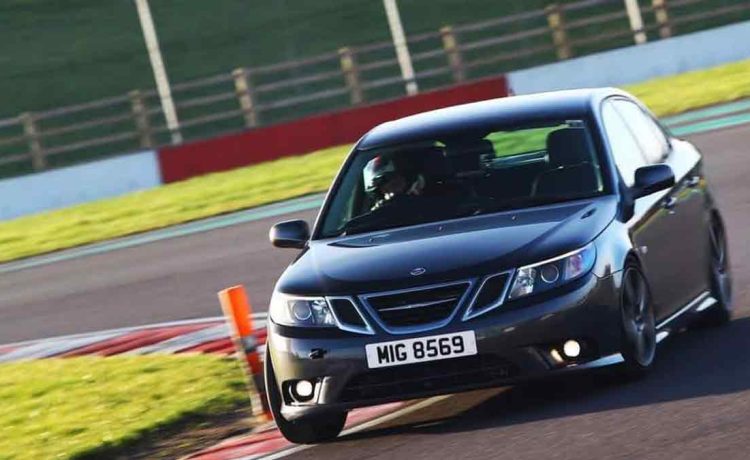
(571, 170)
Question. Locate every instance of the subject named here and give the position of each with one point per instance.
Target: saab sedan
(488, 244)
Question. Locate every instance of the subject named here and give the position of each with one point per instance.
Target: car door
(653, 217)
(688, 225)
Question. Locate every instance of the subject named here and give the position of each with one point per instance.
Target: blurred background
(143, 158)
(80, 72)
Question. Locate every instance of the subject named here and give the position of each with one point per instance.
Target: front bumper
(513, 344)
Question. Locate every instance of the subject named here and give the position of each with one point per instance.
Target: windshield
(464, 175)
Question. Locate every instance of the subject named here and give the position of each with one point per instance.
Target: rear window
(509, 143)
(463, 175)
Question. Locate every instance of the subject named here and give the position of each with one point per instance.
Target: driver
(387, 181)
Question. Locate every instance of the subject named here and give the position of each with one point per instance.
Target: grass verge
(99, 408)
(692, 90)
(287, 178)
(171, 204)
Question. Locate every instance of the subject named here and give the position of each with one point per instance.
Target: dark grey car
(491, 243)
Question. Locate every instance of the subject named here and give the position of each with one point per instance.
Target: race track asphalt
(171, 279)
(178, 278)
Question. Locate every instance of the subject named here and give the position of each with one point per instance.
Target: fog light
(572, 349)
(304, 389)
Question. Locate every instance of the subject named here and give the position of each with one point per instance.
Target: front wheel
(638, 323)
(308, 430)
(721, 277)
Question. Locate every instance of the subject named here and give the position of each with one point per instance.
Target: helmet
(377, 172)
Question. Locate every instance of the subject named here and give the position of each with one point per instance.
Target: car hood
(445, 251)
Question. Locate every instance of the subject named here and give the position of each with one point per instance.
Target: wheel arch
(615, 248)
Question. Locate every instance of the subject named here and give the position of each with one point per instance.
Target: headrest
(470, 147)
(568, 146)
(434, 164)
(465, 155)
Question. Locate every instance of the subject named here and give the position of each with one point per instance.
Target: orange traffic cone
(236, 308)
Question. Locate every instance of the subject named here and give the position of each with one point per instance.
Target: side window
(651, 138)
(625, 149)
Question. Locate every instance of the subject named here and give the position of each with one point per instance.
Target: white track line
(198, 226)
(355, 429)
(185, 322)
(181, 342)
(45, 349)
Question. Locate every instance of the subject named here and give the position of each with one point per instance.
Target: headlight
(300, 311)
(551, 273)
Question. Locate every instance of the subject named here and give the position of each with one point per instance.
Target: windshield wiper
(360, 224)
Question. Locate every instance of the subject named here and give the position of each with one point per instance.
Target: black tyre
(309, 430)
(638, 323)
(721, 277)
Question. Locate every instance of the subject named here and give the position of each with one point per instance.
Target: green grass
(286, 178)
(170, 204)
(95, 407)
(691, 90)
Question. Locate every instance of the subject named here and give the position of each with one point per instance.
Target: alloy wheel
(722, 280)
(638, 319)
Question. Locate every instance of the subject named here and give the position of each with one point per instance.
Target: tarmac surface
(168, 280)
(695, 403)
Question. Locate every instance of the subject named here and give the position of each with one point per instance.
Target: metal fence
(252, 97)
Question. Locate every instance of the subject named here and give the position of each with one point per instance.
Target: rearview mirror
(290, 234)
(651, 179)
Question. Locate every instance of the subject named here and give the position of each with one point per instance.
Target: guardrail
(250, 97)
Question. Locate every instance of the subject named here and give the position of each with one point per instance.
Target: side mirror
(290, 234)
(651, 179)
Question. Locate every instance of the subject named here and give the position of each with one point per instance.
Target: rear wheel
(308, 430)
(721, 277)
(638, 323)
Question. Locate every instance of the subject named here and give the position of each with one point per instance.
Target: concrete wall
(78, 184)
(635, 64)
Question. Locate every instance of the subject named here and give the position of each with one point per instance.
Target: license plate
(433, 348)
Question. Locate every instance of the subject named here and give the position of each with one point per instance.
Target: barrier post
(636, 21)
(244, 91)
(450, 45)
(140, 115)
(31, 131)
(556, 22)
(662, 18)
(236, 308)
(351, 75)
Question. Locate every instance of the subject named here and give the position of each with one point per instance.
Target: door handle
(694, 181)
(670, 203)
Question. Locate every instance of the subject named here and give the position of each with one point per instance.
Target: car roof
(486, 115)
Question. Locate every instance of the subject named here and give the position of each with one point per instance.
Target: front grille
(418, 307)
(446, 375)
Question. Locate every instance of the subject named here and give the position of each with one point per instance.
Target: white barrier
(635, 64)
(78, 184)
